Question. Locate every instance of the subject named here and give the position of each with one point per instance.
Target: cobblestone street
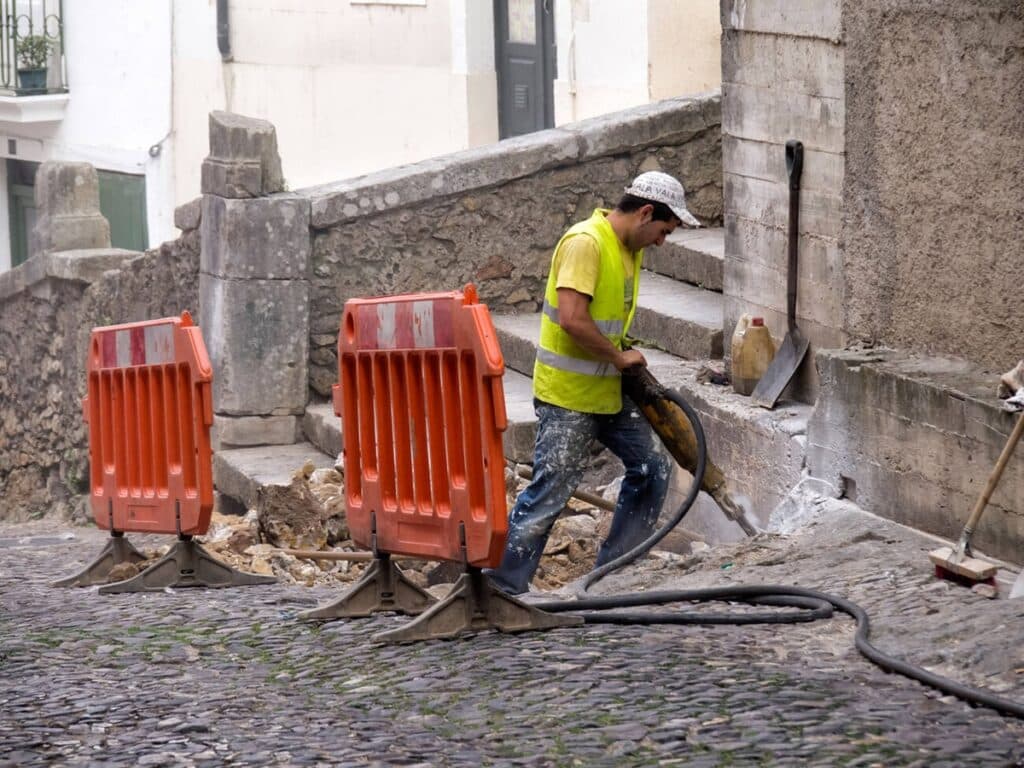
(230, 677)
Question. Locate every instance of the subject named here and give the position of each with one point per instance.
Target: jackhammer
(671, 424)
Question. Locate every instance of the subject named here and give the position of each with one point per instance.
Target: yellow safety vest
(565, 374)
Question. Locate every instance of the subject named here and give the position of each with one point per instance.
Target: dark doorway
(525, 62)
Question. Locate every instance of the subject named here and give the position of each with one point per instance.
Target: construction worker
(589, 303)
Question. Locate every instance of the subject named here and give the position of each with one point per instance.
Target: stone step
(239, 473)
(692, 255)
(678, 317)
(761, 452)
(322, 428)
(674, 316)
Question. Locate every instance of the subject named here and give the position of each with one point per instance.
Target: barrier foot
(117, 550)
(382, 588)
(476, 604)
(187, 564)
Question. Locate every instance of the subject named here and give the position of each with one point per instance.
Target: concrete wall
(914, 438)
(933, 216)
(492, 215)
(783, 78)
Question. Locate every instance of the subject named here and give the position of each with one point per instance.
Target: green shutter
(21, 207)
(123, 202)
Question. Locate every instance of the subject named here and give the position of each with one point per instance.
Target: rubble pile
(308, 515)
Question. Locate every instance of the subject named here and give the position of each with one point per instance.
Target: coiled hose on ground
(811, 605)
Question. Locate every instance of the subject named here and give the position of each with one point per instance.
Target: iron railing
(32, 34)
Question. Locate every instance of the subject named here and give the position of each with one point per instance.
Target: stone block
(243, 160)
(257, 336)
(246, 431)
(820, 259)
(322, 428)
(188, 216)
(231, 179)
(68, 214)
(823, 171)
(804, 18)
(818, 302)
(789, 64)
(768, 203)
(775, 115)
(262, 238)
(240, 473)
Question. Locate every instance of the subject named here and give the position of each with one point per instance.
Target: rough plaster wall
(43, 440)
(499, 238)
(933, 203)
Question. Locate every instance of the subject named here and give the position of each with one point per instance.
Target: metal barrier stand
(475, 604)
(118, 550)
(382, 588)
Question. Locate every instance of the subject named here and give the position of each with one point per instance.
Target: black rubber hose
(815, 605)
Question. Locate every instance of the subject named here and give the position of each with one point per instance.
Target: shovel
(794, 347)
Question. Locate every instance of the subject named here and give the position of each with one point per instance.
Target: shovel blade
(781, 369)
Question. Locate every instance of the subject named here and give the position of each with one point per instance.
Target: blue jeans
(560, 457)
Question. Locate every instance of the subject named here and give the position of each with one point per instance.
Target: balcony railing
(32, 48)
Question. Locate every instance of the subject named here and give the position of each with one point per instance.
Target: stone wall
(48, 306)
(933, 211)
(783, 78)
(492, 215)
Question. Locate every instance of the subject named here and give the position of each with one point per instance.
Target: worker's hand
(630, 358)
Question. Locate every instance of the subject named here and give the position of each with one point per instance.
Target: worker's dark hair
(662, 212)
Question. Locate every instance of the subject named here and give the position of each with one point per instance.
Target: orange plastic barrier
(149, 411)
(421, 400)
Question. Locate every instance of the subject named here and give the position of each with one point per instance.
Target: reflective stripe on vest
(607, 327)
(565, 374)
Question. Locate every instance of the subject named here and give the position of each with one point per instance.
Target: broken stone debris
(309, 514)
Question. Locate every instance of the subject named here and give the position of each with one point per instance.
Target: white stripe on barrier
(386, 326)
(159, 344)
(423, 324)
(124, 348)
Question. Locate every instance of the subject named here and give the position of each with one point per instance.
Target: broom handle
(993, 479)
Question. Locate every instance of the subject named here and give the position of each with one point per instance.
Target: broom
(958, 564)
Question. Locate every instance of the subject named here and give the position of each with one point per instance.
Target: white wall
(614, 54)
(351, 87)
(119, 81)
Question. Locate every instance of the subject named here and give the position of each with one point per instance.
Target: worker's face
(650, 232)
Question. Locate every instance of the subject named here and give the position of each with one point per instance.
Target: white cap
(661, 188)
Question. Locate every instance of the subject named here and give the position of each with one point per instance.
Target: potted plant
(33, 54)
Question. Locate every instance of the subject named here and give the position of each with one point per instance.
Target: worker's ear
(646, 213)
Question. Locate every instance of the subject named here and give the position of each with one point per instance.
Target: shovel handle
(794, 162)
(794, 169)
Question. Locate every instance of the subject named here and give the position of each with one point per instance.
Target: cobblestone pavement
(230, 677)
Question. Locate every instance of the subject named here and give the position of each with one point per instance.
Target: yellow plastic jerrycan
(752, 351)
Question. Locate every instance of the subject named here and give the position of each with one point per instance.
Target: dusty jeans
(560, 457)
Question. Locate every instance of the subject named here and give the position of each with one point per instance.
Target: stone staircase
(679, 320)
